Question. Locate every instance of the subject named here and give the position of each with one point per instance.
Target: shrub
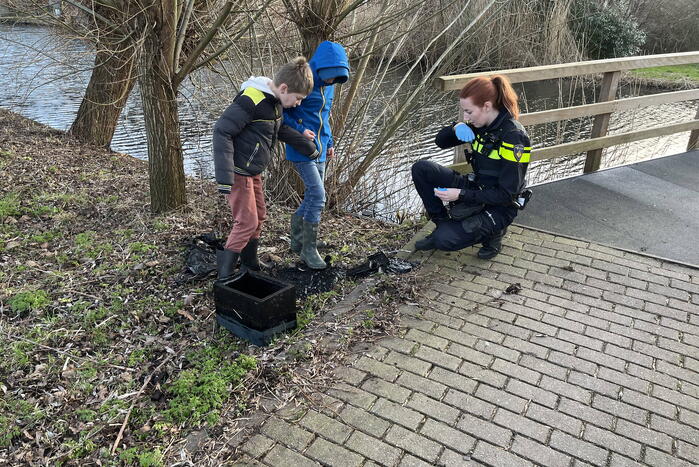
(604, 30)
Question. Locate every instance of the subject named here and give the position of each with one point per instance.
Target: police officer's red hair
(496, 89)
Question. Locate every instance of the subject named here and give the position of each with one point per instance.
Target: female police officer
(484, 203)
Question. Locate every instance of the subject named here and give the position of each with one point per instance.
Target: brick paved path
(594, 362)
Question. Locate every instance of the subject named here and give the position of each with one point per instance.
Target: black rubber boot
(492, 246)
(248, 256)
(309, 252)
(226, 264)
(427, 243)
(296, 233)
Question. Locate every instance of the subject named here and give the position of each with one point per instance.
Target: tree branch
(191, 60)
(182, 31)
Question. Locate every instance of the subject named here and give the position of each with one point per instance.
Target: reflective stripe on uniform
(515, 153)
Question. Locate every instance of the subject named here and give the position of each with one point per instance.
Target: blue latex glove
(464, 132)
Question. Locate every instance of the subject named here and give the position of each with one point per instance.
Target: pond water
(44, 75)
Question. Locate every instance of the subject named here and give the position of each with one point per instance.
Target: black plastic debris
(200, 257)
(513, 288)
(379, 262)
(309, 281)
(255, 306)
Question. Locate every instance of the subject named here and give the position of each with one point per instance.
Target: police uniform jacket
(246, 133)
(499, 157)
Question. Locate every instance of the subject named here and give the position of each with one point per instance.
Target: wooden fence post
(599, 127)
(694, 136)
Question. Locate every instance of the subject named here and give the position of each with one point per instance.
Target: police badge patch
(517, 151)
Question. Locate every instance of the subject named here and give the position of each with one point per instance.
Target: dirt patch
(100, 341)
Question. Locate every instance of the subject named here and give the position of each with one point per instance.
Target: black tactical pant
(450, 235)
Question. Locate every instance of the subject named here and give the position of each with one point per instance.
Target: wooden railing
(602, 110)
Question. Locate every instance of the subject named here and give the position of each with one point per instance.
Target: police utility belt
(460, 211)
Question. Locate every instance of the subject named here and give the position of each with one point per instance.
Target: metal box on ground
(255, 306)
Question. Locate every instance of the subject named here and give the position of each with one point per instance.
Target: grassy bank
(675, 75)
(99, 336)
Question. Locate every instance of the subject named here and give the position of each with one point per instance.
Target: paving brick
(470, 354)
(363, 420)
(601, 358)
(611, 316)
(484, 430)
(526, 347)
(442, 319)
(437, 358)
(609, 337)
(286, 433)
(433, 409)
(612, 442)
(624, 379)
(482, 331)
(660, 377)
(647, 296)
(659, 458)
(258, 445)
(649, 277)
(575, 363)
(586, 319)
(453, 380)
(688, 451)
(562, 388)
(421, 384)
(553, 291)
(413, 443)
(527, 391)
(653, 404)
(528, 309)
(617, 460)
(455, 335)
(280, 455)
(325, 426)
(412, 461)
(377, 368)
(644, 435)
(583, 289)
(683, 285)
(540, 366)
(385, 389)
(654, 351)
(574, 258)
(372, 448)
(522, 425)
(563, 322)
(673, 292)
(628, 281)
(354, 396)
(627, 301)
(665, 310)
(454, 459)
(610, 266)
(620, 409)
(496, 456)
(594, 384)
(333, 455)
(638, 332)
(675, 398)
(417, 325)
(497, 350)
(538, 273)
(501, 398)
(674, 346)
(470, 404)
(425, 338)
(554, 419)
(679, 325)
(539, 453)
(407, 362)
(448, 436)
(484, 375)
(580, 340)
(578, 448)
(397, 413)
(557, 262)
(518, 370)
(511, 330)
(349, 374)
(536, 326)
(586, 413)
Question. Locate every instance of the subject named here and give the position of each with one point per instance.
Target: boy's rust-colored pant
(247, 203)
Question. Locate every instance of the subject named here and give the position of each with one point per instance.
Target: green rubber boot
(309, 252)
(296, 233)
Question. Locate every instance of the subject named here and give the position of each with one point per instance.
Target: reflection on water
(44, 76)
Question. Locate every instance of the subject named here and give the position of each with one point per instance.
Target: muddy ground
(108, 351)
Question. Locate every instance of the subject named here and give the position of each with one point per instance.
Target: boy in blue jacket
(312, 118)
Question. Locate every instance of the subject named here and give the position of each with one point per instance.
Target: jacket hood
(260, 83)
(330, 55)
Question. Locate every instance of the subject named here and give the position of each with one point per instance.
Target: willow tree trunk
(111, 82)
(159, 100)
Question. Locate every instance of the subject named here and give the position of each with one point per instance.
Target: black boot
(248, 256)
(492, 246)
(427, 243)
(226, 263)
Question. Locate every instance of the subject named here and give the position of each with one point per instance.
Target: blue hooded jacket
(313, 113)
